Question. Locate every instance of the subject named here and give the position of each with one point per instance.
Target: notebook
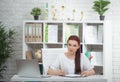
(29, 68)
(73, 75)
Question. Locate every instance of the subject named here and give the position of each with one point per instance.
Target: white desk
(95, 78)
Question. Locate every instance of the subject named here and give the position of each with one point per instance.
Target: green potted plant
(6, 46)
(36, 12)
(100, 6)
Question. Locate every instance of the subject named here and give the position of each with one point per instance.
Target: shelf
(54, 34)
(93, 43)
(34, 42)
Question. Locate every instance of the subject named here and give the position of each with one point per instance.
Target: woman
(72, 61)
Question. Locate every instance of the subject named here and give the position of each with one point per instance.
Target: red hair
(77, 55)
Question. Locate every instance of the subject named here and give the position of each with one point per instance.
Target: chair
(49, 55)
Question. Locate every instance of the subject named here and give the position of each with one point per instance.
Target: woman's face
(72, 46)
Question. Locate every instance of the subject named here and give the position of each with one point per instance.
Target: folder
(28, 55)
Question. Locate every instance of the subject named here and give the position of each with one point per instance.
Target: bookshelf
(53, 34)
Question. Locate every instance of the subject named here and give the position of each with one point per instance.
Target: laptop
(29, 68)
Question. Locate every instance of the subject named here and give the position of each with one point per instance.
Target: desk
(95, 78)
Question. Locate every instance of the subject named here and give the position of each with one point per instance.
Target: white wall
(14, 12)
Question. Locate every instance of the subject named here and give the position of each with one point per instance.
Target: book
(100, 34)
(71, 30)
(52, 33)
(30, 32)
(46, 33)
(26, 32)
(94, 34)
(90, 34)
(28, 55)
(39, 32)
(33, 32)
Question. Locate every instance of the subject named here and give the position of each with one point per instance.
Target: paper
(73, 75)
(45, 76)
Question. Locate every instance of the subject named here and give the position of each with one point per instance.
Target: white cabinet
(53, 34)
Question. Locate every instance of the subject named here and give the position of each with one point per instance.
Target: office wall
(116, 37)
(14, 12)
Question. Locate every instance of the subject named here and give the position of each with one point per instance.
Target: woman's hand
(85, 73)
(61, 72)
(56, 72)
(88, 72)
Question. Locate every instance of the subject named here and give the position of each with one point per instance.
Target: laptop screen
(28, 68)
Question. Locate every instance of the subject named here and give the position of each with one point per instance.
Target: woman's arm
(52, 72)
(91, 72)
(88, 72)
(56, 72)
(88, 67)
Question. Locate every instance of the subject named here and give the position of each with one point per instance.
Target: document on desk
(73, 75)
(45, 76)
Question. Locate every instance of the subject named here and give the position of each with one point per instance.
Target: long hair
(77, 55)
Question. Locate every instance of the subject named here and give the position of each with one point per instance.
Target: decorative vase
(102, 17)
(36, 17)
